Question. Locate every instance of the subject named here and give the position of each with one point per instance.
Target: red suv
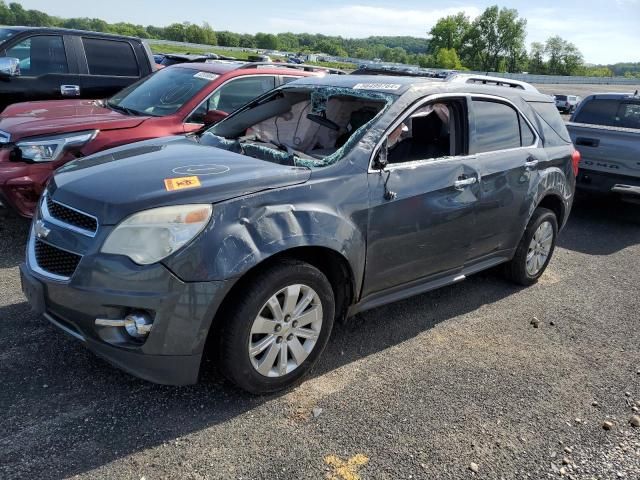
(38, 137)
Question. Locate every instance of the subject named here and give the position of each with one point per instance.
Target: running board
(419, 286)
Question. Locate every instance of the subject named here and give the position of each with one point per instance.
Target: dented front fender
(246, 231)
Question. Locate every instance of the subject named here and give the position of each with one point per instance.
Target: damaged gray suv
(321, 199)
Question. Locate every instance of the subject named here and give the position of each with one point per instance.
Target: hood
(59, 116)
(119, 182)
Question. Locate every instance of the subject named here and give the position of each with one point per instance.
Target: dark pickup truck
(56, 63)
(606, 130)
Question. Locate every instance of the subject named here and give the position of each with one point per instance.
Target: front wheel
(535, 249)
(278, 327)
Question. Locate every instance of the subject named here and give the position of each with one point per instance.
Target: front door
(44, 68)
(422, 205)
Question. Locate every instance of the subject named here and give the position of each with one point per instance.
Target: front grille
(71, 217)
(56, 261)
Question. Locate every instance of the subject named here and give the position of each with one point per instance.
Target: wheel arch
(556, 204)
(333, 264)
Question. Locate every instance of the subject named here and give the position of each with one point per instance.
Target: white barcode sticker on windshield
(377, 86)
(206, 75)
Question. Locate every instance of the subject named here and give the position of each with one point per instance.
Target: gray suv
(319, 200)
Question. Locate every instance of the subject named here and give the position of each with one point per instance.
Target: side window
(496, 127)
(629, 115)
(289, 79)
(527, 136)
(110, 57)
(198, 114)
(40, 55)
(599, 112)
(427, 133)
(240, 91)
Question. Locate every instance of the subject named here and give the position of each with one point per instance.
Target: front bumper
(600, 182)
(109, 287)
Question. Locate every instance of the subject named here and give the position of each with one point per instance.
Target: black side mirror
(214, 116)
(381, 160)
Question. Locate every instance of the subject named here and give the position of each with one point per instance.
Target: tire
(243, 330)
(518, 270)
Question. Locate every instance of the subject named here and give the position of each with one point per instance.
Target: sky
(606, 31)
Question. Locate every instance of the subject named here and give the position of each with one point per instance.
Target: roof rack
(492, 81)
(296, 66)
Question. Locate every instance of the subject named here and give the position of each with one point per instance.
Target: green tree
(447, 58)
(6, 15)
(449, 32)
(228, 39)
(176, 32)
(495, 35)
(564, 57)
(536, 59)
(288, 41)
(266, 41)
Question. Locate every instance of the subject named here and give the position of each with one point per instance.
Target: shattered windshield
(162, 93)
(298, 126)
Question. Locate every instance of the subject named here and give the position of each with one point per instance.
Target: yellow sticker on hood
(172, 184)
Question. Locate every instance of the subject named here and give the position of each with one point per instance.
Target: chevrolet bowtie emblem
(41, 230)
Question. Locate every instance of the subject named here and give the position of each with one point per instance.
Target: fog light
(138, 324)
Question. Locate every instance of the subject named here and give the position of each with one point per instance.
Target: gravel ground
(431, 387)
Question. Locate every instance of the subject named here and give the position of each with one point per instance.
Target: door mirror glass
(9, 66)
(214, 116)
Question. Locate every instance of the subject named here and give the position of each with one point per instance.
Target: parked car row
(567, 103)
(244, 208)
(606, 129)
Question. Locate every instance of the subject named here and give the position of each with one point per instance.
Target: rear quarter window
(110, 57)
(553, 128)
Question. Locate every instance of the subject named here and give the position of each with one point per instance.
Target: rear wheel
(535, 249)
(278, 328)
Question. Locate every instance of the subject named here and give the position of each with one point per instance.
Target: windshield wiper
(120, 108)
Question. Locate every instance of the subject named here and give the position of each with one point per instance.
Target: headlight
(49, 149)
(148, 237)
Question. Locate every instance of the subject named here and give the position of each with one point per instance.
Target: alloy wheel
(285, 331)
(539, 248)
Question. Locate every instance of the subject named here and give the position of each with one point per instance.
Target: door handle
(588, 142)
(531, 162)
(464, 182)
(70, 90)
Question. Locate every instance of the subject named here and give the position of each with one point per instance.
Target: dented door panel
(427, 228)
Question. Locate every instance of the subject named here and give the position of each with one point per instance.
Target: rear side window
(553, 129)
(110, 57)
(630, 115)
(40, 55)
(497, 127)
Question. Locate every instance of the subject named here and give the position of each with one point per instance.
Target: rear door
(107, 66)
(47, 63)
(509, 154)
